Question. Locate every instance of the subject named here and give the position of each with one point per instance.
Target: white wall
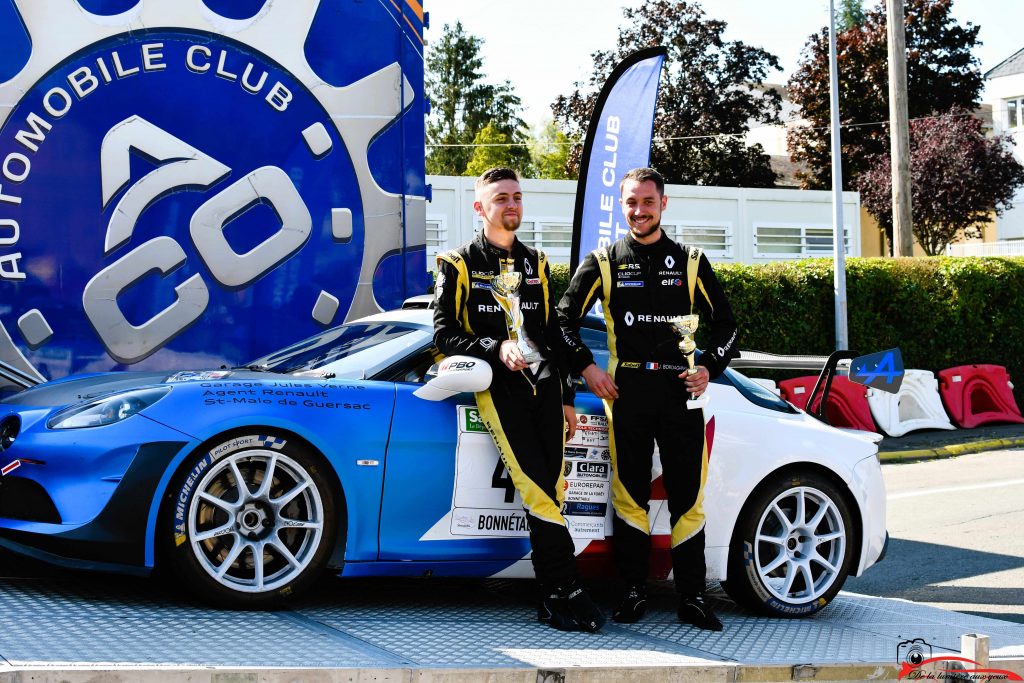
(742, 225)
(1010, 225)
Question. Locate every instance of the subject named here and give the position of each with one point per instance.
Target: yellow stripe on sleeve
(461, 288)
(706, 297)
(542, 262)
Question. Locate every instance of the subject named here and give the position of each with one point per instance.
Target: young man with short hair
(643, 280)
(528, 408)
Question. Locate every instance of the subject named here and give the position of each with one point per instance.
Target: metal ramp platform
(118, 629)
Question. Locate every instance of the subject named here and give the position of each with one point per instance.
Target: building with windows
(1004, 91)
(732, 225)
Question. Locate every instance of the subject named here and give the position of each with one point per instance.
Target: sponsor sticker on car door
(486, 503)
(588, 472)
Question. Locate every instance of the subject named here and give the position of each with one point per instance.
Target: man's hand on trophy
(600, 382)
(697, 383)
(511, 356)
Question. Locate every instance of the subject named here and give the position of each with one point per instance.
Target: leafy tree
(710, 88)
(550, 150)
(490, 149)
(958, 179)
(463, 105)
(851, 14)
(942, 73)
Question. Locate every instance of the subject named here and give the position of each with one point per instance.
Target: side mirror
(455, 375)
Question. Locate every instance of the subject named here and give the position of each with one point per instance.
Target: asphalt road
(956, 531)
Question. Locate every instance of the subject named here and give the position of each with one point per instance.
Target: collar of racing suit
(491, 250)
(645, 249)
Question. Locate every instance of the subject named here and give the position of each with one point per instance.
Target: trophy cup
(505, 288)
(685, 326)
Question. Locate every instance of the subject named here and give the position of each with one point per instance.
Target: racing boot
(554, 611)
(582, 606)
(633, 604)
(694, 610)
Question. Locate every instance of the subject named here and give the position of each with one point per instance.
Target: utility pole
(899, 133)
(838, 225)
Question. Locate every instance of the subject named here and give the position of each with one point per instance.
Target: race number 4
(502, 480)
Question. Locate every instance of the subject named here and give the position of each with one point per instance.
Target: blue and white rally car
(249, 483)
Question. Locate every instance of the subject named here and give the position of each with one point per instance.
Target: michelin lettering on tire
(152, 178)
(195, 474)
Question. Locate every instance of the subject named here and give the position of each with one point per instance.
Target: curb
(950, 451)
(693, 673)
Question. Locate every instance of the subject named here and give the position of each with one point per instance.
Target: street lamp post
(838, 226)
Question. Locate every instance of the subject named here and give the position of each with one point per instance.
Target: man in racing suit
(528, 408)
(643, 280)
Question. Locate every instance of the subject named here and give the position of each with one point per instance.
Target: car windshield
(355, 350)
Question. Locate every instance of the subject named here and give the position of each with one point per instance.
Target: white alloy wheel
(800, 544)
(256, 521)
(253, 522)
(792, 545)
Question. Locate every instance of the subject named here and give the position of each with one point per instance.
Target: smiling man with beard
(643, 280)
(528, 408)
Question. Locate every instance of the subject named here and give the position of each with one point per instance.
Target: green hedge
(940, 311)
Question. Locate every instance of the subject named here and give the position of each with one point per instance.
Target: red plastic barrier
(847, 402)
(978, 394)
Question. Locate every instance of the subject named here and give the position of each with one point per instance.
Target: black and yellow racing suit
(641, 288)
(522, 409)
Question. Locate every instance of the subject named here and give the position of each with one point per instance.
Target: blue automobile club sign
(191, 183)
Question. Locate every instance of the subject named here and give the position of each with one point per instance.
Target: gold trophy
(685, 326)
(505, 289)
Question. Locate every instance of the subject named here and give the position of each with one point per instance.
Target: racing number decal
(501, 480)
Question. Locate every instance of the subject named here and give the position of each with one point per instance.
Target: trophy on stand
(505, 288)
(685, 326)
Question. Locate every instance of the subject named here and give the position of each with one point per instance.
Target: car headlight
(107, 410)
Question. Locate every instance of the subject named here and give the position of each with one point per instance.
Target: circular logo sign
(181, 191)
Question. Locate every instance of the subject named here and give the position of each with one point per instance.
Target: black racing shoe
(554, 611)
(582, 606)
(633, 604)
(695, 611)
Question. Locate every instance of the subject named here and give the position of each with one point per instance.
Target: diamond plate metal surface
(46, 623)
(449, 623)
(452, 643)
(758, 640)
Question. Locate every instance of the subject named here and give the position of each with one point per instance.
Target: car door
(447, 497)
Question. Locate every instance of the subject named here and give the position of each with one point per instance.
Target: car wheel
(252, 522)
(792, 546)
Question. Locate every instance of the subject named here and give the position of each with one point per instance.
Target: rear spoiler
(774, 361)
(828, 366)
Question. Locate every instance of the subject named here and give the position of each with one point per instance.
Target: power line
(694, 137)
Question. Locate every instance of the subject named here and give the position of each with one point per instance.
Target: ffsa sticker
(587, 486)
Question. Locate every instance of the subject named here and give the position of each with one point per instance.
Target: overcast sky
(544, 46)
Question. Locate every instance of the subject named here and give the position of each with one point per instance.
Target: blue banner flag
(618, 139)
(882, 370)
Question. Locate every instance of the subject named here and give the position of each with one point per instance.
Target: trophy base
(700, 402)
